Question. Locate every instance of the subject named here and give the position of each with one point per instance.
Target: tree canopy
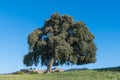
(60, 41)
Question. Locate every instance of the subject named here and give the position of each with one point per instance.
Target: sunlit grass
(72, 75)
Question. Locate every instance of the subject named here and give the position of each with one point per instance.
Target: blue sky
(20, 17)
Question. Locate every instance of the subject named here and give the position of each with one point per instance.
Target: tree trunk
(49, 66)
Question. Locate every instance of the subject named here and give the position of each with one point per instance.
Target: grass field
(103, 74)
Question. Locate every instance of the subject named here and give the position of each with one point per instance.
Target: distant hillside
(109, 69)
(99, 69)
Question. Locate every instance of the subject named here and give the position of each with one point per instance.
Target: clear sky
(20, 17)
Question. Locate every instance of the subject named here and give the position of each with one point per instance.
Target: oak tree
(60, 41)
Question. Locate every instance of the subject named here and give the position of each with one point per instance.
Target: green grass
(72, 75)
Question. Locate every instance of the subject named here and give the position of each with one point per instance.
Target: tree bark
(49, 66)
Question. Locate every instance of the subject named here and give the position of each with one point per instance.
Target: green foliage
(25, 72)
(19, 72)
(63, 39)
(33, 72)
